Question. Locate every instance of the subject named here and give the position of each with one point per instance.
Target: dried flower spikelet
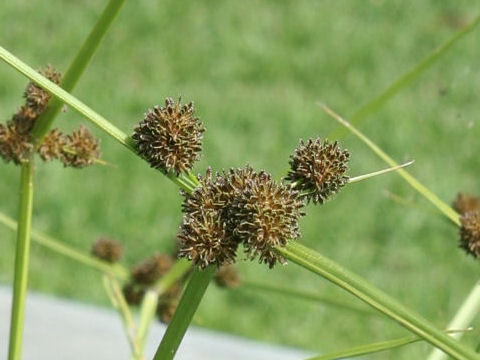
(170, 137)
(81, 149)
(203, 233)
(470, 233)
(151, 269)
(52, 145)
(107, 249)
(36, 97)
(14, 145)
(133, 294)
(24, 119)
(318, 169)
(227, 277)
(266, 215)
(465, 203)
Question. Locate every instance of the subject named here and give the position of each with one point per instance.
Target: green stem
(22, 256)
(78, 65)
(377, 173)
(462, 319)
(299, 294)
(374, 297)
(55, 245)
(430, 196)
(184, 313)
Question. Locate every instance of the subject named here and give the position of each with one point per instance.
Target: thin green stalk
(374, 297)
(462, 319)
(22, 258)
(55, 245)
(377, 173)
(184, 313)
(373, 348)
(434, 199)
(95, 118)
(405, 79)
(300, 294)
(149, 302)
(78, 65)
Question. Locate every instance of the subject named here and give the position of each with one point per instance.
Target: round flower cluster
(470, 233)
(240, 206)
(107, 250)
(465, 203)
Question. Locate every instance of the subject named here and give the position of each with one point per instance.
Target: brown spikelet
(169, 137)
(151, 269)
(318, 169)
(107, 249)
(52, 145)
(165, 309)
(24, 119)
(37, 98)
(133, 294)
(227, 277)
(470, 233)
(266, 215)
(465, 203)
(81, 149)
(14, 145)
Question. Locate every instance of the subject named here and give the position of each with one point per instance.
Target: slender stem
(374, 297)
(380, 172)
(184, 313)
(406, 78)
(462, 319)
(78, 65)
(55, 245)
(22, 258)
(300, 294)
(434, 199)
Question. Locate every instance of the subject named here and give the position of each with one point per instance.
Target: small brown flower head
(169, 137)
(81, 149)
(470, 233)
(36, 97)
(107, 250)
(52, 145)
(318, 169)
(165, 309)
(227, 277)
(203, 234)
(267, 215)
(133, 294)
(151, 269)
(465, 203)
(24, 119)
(14, 145)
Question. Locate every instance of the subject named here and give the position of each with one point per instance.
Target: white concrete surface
(57, 329)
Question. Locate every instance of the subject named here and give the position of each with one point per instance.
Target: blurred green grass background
(255, 70)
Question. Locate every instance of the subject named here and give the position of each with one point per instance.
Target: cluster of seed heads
(77, 149)
(170, 137)
(107, 250)
(317, 169)
(470, 233)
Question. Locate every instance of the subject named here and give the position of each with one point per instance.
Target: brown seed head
(165, 309)
(37, 98)
(133, 294)
(24, 119)
(107, 249)
(81, 149)
(52, 145)
(151, 269)
(470, 233)
(227, 277)
(169, 137)
(318, 169)
(14, 145)
(465, 203)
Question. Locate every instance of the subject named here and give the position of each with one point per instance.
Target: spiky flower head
(470, 233)
(465, 203)
(107, 249)
(151, 269)
(227, 276)
(317, 169)
(266, 215)
(14, 145)
(81, 149)
(52, 145)
(24, 119)
(133, 293)
(169, 137)
(36, 97)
